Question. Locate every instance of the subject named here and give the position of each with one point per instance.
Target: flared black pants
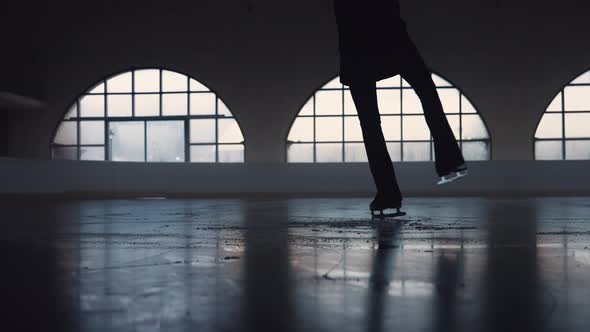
(447, 152)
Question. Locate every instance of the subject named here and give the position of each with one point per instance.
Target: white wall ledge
(138, 179)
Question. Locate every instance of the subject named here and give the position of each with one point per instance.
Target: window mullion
(564, 137)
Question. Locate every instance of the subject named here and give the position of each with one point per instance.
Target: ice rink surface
(451, 264)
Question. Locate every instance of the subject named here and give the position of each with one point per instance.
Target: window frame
(563, 139)
(107, 119)
(401, 115)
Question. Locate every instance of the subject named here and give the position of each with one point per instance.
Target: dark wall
(22, 49)
(265, 57)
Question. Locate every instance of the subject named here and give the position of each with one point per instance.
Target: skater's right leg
(447, 152)
(364, 95)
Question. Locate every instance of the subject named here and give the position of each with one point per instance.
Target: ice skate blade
(379, 214)
(452, 178)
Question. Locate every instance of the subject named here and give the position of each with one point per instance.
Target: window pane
(65, 153)
(550, 126)
(328, 103)
(307, 108)
(548, 150)
(389, 101)
(99, 88)
(202, 131)
(119, 105)
(474, 128)
(411, 103)
(583, 79)
(197, 86)
(302, 130)
(352, 129)
(440, 82)
(300, 153)
(577, 98)
(555, 105)
(392, 82)
(349, 106)
(202, 104)
(222, 109)
(92, 106)
(577, 125)
(147, 80)
(120, 83)
(173, 82)
(577, 150)
(67, 133)
(229, 131)
(450, 100)
(165, 141)
(329, 153)
(92, 132)
(476, 151)
(72, 112)
(126, 140)
(467, 106)
(355, 153)
(175, 104)
(231, 153)
(203, 153)
(415, 128)
(395, 151)
(417, 151)
(92, 153)
(391, 126)
(329, 129)
(147, 105)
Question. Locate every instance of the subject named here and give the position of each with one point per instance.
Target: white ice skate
(458, 173)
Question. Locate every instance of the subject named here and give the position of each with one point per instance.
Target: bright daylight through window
(327, 128)
(149, 115)
(564, 130)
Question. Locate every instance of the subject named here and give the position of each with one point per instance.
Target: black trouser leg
(365, 99)
(447, 152)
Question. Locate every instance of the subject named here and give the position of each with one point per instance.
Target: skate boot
(381, 203)
(457, 173)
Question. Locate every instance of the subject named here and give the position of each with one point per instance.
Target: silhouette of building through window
(149, 115)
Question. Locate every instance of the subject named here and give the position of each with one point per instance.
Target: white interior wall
(490, 178)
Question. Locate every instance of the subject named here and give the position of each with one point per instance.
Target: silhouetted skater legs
(450, 164)
(374, 44)
(388, 196)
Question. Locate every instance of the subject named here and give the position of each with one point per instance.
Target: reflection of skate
(380, 204)
(456, 174)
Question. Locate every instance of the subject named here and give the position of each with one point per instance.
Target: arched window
(564, 130)
(327, 128)
(149, 115)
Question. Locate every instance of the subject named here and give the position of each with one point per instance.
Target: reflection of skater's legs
(365, 98)
(447, 152)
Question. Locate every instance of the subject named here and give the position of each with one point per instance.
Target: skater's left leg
(447, 151)
(364, 95)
